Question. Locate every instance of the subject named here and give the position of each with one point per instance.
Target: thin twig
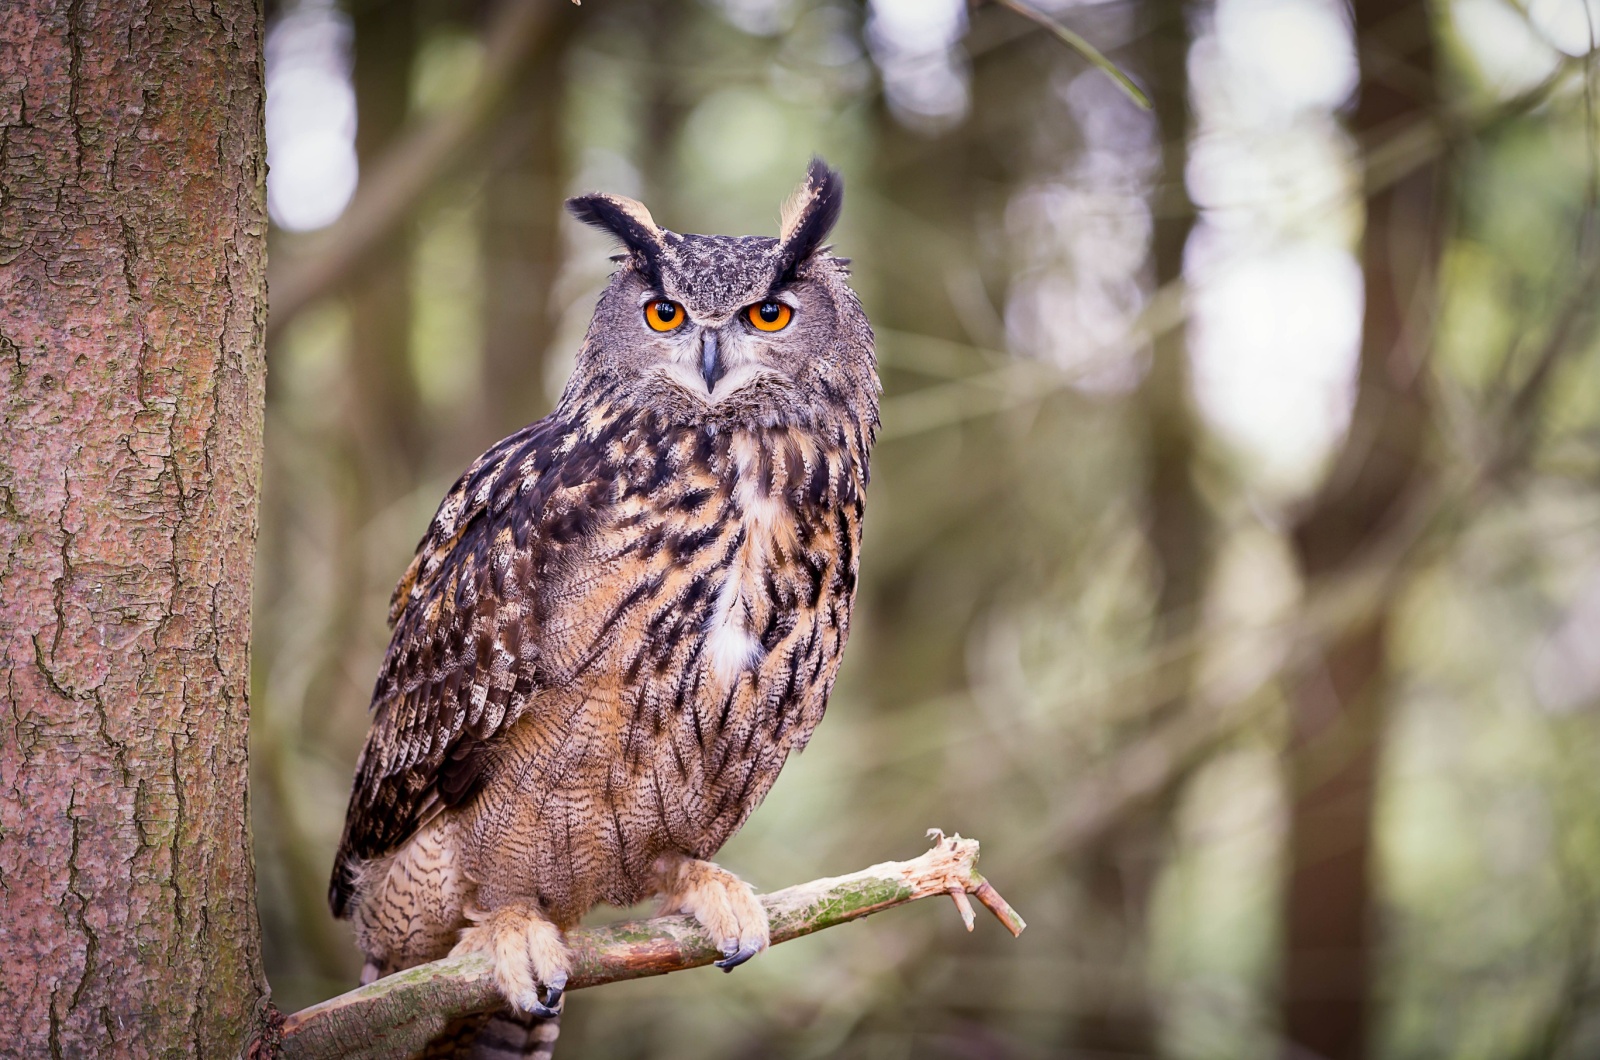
(1082, 47)
(969, 919)
(398, 1014)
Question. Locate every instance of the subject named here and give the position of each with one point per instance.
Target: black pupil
(666, 311)
(769, 311)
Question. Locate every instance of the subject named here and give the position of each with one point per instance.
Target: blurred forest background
(1233, 560)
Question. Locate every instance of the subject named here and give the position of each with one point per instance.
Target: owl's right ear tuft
(625, 219)
(809, 216)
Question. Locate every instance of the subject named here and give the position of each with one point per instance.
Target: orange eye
(664, 315)
(769, 316)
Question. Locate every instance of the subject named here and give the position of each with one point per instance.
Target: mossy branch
(398, 1014)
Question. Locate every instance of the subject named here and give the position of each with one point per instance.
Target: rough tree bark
(1340, 706)
(132, 310)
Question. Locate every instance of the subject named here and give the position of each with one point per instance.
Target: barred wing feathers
(463, 661)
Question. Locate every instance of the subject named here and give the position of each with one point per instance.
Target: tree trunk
(132, 309)
(1341, 701)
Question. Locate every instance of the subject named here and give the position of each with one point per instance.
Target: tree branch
(399, 1013)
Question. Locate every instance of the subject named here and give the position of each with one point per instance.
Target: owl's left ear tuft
(628, 221)
(809, 216)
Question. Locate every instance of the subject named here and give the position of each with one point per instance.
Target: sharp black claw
(734, 955)
(550, 1003)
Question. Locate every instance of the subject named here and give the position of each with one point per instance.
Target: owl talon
(530, 959)
(544, 1000)
(724, 905)
(540, 1008)
(734, 954)
(552, 994)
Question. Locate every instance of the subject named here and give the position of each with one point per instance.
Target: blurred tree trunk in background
(132, 312)
(378, 459)
(522, 236)
(1179, 522)
(383, 386)
(932, 221)
(1340, 708)
(1121, 866)
(662, 30)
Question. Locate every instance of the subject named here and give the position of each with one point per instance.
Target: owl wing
(462, 665)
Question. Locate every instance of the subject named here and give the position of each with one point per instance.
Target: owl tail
(513, 1035)
(502, 1035)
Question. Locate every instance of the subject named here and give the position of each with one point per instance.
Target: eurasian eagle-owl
(624, 617)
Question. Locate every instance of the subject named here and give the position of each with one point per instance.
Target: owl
(623, 618)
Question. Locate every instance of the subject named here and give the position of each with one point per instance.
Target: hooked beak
(710, 360)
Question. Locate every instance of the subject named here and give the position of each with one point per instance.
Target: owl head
(730, 329)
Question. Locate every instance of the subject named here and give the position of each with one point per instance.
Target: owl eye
(769, 316)
(664, 315)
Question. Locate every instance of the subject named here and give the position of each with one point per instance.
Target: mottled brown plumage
(624, 617)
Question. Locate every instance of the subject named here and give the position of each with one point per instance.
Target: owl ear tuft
(809, 216)
(628, 221)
